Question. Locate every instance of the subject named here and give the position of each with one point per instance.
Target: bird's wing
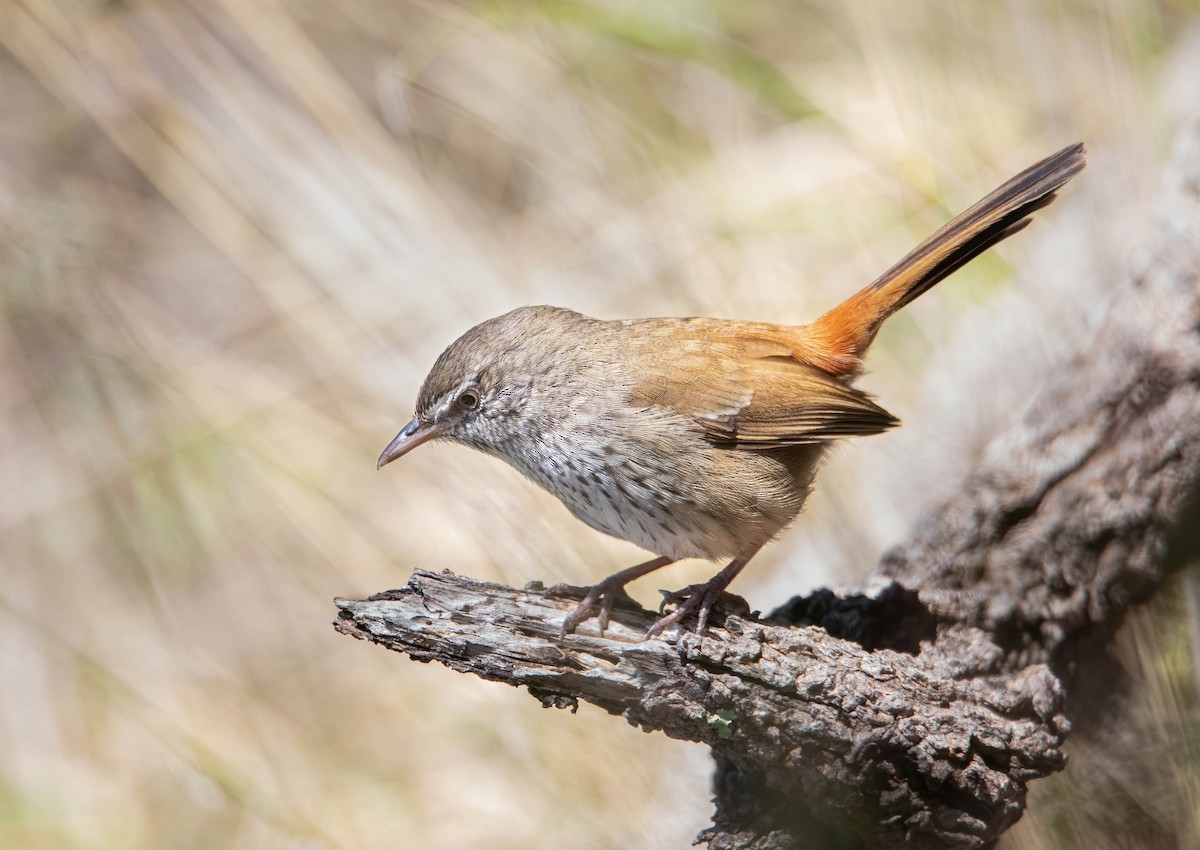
(745, 385)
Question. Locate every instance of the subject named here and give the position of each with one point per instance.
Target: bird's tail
(838, 339)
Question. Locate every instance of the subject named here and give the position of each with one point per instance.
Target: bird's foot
(694, 597)
(697, 597)
(605, 594)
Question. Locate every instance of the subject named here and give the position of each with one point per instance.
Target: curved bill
(411, 436)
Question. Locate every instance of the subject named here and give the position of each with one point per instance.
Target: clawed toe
(597, 595)
(674, 598)
(606, 594)
(696, 597)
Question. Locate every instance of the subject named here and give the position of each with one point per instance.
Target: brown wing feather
(796, 404)
(743, 389)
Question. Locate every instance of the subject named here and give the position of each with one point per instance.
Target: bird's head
(478, 391)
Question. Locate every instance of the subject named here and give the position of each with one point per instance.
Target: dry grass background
(235, 233)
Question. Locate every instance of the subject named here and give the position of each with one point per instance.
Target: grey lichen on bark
(916, 717)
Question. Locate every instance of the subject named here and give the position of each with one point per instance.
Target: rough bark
(917, 717)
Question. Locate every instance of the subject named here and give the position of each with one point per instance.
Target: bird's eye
(468, 399)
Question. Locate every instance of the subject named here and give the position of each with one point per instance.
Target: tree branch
(919, 716)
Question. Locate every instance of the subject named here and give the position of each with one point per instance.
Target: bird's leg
(697, 596)
(606, 593)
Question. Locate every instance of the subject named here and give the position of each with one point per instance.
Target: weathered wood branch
(917, 717)
(823, 717)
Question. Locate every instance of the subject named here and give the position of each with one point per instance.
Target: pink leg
(606, 592)
(699, 596)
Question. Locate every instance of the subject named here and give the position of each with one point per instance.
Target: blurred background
(234, 234)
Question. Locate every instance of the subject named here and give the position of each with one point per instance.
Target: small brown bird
(693, 438)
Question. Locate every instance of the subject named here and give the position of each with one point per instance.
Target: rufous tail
(840, 338)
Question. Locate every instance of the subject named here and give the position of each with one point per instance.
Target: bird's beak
(411, 436)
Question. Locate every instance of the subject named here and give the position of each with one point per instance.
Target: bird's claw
(604, 594)
(674, 598)
(701, 596)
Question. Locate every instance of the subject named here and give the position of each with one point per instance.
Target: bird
(690, 437)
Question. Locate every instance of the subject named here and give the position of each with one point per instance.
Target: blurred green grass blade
(674, 38)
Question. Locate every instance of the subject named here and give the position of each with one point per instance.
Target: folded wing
(745, 389)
